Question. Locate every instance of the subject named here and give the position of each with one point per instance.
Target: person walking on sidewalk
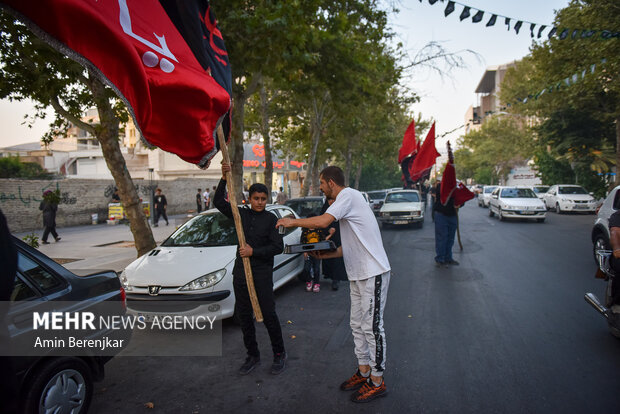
(263, 242)
(199, 201)
(368, 270)
(160, 205)
(49, 206)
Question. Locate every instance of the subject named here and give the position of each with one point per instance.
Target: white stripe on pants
(368, 299)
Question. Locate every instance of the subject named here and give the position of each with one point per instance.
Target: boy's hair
(159, 189)
(258, 188)
(333, 173)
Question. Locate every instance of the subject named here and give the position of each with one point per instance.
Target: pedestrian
(49, 206)
(212, 197)
(206, 199)
(368, 270)
(445, 229)
(312, 265)
(334, 268)
(263, 242)
(199, 201)
(116, 198)
(281, 197)
(160, 205)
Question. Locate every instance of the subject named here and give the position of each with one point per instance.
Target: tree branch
(70, 117)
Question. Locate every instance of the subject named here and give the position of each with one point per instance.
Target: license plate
(581, 207)
(401, 222)
(528, 212)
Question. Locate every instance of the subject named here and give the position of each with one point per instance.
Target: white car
(567, 197)
(485, 195)
(540, 190)
(195, 264)
(600, 230)
(402, 207)
(516, 202)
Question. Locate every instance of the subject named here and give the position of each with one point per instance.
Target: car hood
(523, 202)
(176, 266)
(576, 197)
(387, 207)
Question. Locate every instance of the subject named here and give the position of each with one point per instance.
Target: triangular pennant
(586, 34)
(592, 67)
(541, 30)
(583, 73)
(574, 34)
(492, 20)
(507, 22)
(477, 17)
(518, 26)
(432, 2)
(575, 78)
(564, 34)
(465, 13)
(532, 27)
(567, 81)
(552, 32)
(449, 8)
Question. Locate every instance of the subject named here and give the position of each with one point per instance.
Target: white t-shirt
(205, 197)
(362, 247)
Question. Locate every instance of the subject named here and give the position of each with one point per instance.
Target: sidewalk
(101, 246)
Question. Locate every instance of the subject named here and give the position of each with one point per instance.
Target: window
(572, 190)
(21, 291)
(616, 205)
(402, 197)
(518, 193)
(205, 230)
(43, 279)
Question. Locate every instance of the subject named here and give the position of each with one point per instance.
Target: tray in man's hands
(309, 247)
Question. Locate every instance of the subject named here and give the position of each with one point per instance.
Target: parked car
(569, 197)
(600, 230)
(51, 382)
(485, 195)
(516, 202)
(540, 190)
(402, 207)
(306, 206)
(376, 200)
(196, 262)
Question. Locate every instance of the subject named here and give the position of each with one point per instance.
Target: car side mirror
(494, 196)
(592, 194)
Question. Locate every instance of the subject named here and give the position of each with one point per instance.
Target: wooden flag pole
(232, 198)
(458, 230)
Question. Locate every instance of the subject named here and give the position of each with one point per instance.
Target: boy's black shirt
(260, 233)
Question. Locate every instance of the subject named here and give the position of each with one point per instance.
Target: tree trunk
(316, 135)
(358, 175)
(618, 150)
(236, 143)
(107, 135)
(348, 163)
(316, 185)
(264, 105)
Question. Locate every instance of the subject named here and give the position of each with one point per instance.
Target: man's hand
(326, 254)
(246, 251)
(226, 167)
(286, 222)
(331, 232)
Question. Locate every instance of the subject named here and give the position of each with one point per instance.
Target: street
(507, 331)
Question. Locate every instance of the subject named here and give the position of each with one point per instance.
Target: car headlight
(124, 283)
(205, 281)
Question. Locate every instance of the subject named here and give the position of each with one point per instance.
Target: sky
(444, 100)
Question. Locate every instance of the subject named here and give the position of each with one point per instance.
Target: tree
(32, 69)
(13, 167)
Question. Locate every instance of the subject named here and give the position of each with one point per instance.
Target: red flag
(449, 186)
(409, 145)
(426, 157)
(168, 63)
(462, 194)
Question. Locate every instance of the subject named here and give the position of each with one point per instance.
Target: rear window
(402, 198)
(204, 230)
(376, 195)
(489, 190)
(43, 279)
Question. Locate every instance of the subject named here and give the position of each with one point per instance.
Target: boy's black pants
(263, 283)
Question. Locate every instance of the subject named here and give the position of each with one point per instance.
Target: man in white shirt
(206, 199)
(368, 270)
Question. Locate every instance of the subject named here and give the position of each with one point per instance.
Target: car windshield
(518, 193)
(306, 208)
(204, 230)
(402, 198)
(489, 190)
(572, 190)
(376, 195)
(541, 189)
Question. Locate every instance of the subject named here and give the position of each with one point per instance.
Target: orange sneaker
(353, 383)
(369, 392)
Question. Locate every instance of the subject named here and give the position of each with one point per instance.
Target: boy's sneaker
(353, 383)
(308, 286)
(279, 363)
(248, 366)
(369, 392)
(45, 242)
(316, 288)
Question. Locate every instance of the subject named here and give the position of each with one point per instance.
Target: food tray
(309, 247)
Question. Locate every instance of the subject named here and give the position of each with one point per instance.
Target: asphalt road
(507, 331)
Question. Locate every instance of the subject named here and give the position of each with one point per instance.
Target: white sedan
(402, 207)
(195, 265)
(516, 202)
(566, 197)
(485, 195)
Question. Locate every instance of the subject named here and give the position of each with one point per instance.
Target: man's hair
(258, 188)
(333, 173)
(281, 189)
(159, 189)
(199, 190)
(214, 187)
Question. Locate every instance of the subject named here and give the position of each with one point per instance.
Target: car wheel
(490, 212)
(63, 384)
(600, 243)
(500, 216)
(557, 208)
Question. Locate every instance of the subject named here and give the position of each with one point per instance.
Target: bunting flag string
(563, 33)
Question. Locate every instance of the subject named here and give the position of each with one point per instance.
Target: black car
(52, 381)
(306, 206)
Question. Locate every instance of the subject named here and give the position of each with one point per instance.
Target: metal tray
(309, 247)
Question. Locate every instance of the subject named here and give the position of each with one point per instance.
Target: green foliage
(552, 170)
(376, 176)
(52, 197)
(12, 167)
(32, 240)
